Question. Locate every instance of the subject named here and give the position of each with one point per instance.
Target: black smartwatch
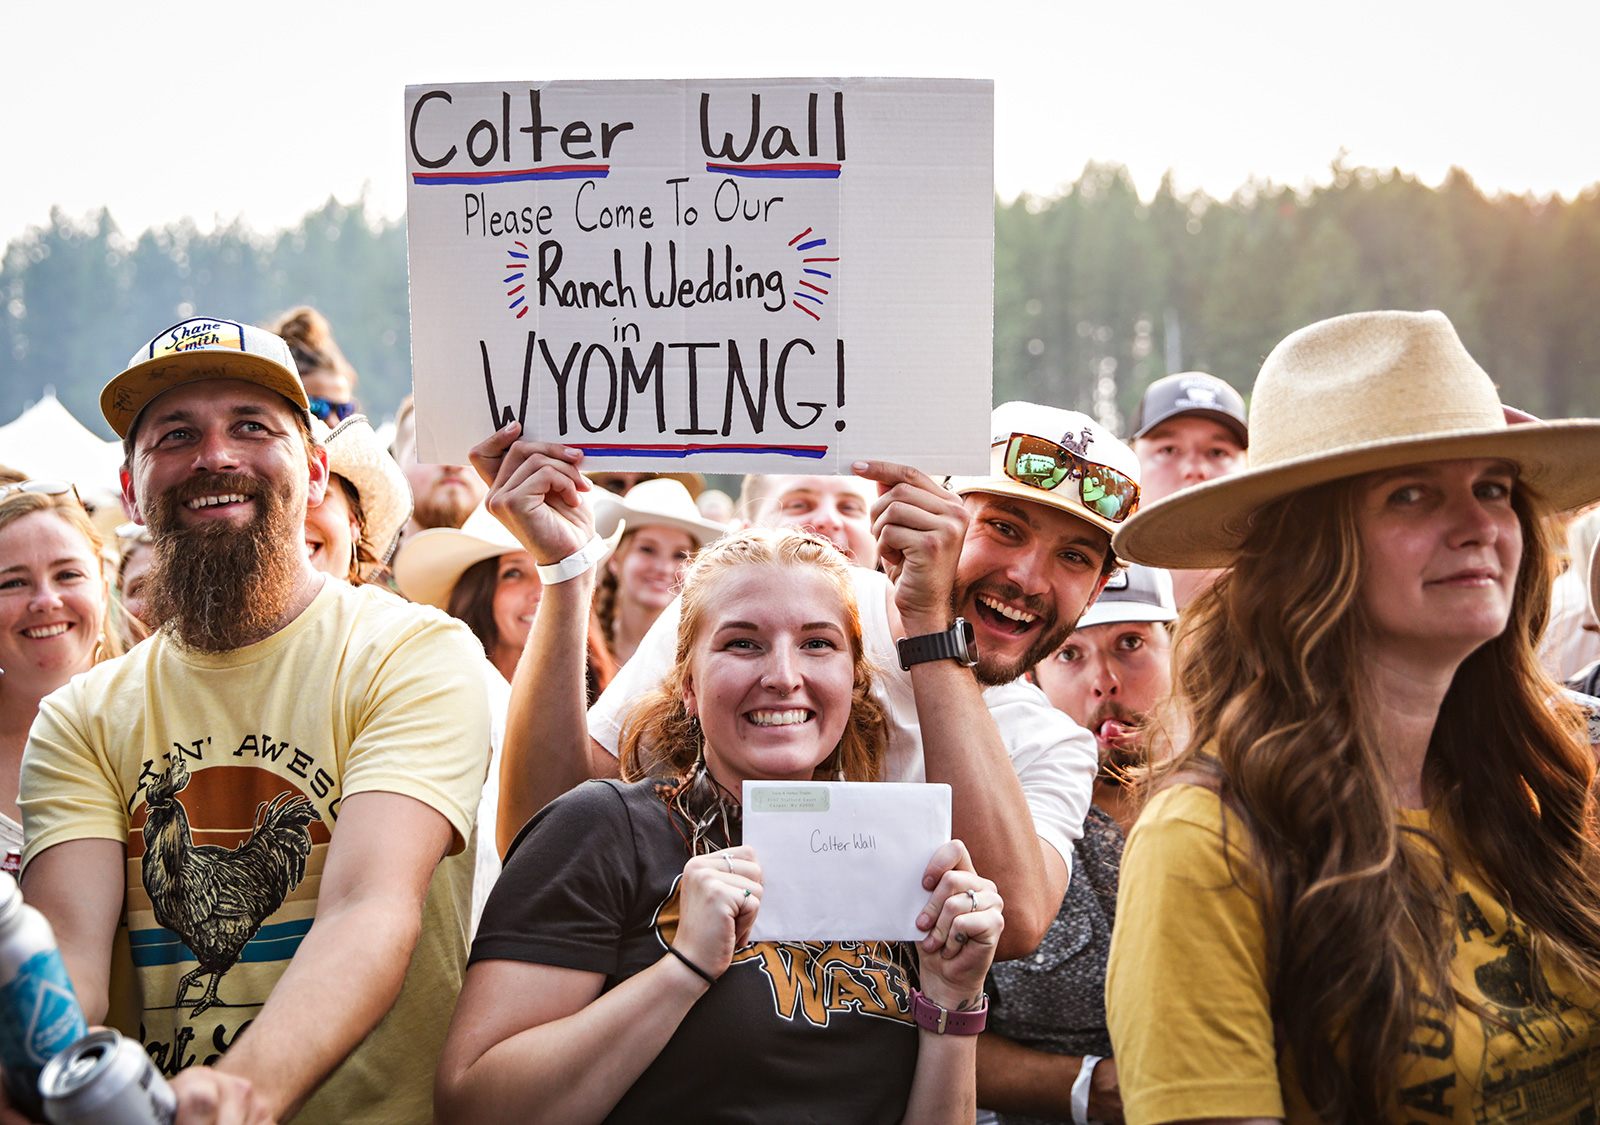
(955, 643)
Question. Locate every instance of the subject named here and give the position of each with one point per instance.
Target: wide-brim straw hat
(1352, 395)
(355, 453)
(662, 502)
(430, 563)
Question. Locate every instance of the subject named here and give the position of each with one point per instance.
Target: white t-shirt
(486, 863)
(1056, 760)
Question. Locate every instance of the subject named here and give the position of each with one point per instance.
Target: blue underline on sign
(778, 171)
(555, 172)
(814, 452)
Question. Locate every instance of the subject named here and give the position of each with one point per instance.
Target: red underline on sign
(807, 311)
(778, 171)
(814, 452)
(554, 172)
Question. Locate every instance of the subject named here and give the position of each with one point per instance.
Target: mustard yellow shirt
(1188, 1006)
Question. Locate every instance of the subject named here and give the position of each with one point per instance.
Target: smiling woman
(613, 957)
(52, 621)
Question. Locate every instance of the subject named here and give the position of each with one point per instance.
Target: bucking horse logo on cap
(1080, 444)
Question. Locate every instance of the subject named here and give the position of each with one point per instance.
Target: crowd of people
(359, 789)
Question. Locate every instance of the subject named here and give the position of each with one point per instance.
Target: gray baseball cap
(1134, 593)
(1192, 392)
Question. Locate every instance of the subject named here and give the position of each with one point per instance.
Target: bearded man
(983, 581)
(273, 795)
(1046, 1055)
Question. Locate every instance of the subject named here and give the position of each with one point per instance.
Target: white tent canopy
(47, 443)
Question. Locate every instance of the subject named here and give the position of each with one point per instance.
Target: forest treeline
(1096, 291)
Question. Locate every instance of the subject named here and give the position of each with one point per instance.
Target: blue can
(39, 1012)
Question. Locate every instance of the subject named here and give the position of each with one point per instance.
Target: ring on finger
(728, 862)
(747, 892)
(972, 898)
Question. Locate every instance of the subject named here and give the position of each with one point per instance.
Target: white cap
(1134, 593)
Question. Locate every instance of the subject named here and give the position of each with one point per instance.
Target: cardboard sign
(843, 861)
(719, 276)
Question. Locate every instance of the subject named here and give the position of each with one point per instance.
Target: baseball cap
(1134, 593)
(200, 348)
(1096, 477)
(1192, 392)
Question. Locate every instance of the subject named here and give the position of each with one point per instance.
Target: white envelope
(842, 860)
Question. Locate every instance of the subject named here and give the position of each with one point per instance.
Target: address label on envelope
(843, 860)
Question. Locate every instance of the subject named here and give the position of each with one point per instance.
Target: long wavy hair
(1272, 706)
(661, 739)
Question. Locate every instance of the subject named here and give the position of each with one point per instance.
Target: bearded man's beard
(442, 507)
(220, 586)
(991, 670)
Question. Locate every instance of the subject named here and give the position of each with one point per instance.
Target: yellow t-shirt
(1188, 1006)
(223, 775)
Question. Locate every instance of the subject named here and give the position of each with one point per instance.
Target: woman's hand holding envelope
(963, 920)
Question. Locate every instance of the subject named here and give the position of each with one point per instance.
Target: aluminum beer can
(39, 1015)
(105, 1079)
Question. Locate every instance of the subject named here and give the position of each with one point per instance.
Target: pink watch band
(942, 1021)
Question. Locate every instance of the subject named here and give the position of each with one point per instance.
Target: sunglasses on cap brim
(52, 488)
(1040, 463)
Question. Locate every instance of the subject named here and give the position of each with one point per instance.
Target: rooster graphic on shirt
(216, 898)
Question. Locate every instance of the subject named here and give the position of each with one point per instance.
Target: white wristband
(1080, 1090)
(574, 564)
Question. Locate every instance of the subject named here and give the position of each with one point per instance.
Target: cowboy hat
(1352, 395)
(355, 454)
(662, 502)
(430, 563)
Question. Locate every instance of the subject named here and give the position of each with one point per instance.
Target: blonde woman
(612, 979)
(52, 620)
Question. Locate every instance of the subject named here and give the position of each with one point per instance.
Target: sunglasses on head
(1040, 463)
(54, 488)
(331, 412)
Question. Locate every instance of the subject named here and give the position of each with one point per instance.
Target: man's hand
(209, 1097)
(535, 489)
(921, 527)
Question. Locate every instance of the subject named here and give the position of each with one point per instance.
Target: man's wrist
(917, 622)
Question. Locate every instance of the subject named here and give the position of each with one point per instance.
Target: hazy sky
(165, 109)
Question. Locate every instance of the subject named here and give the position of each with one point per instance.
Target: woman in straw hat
(1364, 887)
(352, 532)
(482, 576)
(663, 530)
(613, 977)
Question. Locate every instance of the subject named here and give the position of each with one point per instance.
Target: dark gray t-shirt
(813, 1032)
(1054, 999)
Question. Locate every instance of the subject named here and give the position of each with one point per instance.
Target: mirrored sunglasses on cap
(42, 488)
(1041, 463)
